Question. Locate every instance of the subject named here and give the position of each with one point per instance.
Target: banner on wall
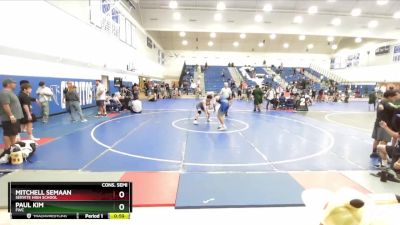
(396, 54)
(149, 42)
(85, 90)
(353, 60)
(382, 50)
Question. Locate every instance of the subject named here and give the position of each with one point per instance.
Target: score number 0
(121, 195)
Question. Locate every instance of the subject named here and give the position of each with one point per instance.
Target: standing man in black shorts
(10, 112)
(384, 112)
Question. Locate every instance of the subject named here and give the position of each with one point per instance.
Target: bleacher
(185, 76)
(248, 82)
(291, 75)
(268, 79)
(362, 89)
(213, 79)
(260, 70)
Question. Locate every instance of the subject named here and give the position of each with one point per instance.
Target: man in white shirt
(45, 95)
(100, 99)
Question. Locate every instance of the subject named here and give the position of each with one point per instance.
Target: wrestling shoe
(222, 128)
(374, 155)
(195, 122)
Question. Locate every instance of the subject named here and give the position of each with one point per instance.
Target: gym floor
(263, 159)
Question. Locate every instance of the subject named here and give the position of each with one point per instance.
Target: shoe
(98, 115)
(104, 115)
(222, 128)
(374, 155)
(195, 122)
(84, 120)
(209, 120)
(5, 159)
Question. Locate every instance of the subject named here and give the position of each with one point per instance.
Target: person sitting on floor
(282, 100)
(113, 104)
(136, 106)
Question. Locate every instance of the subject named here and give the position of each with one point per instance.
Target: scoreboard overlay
(70, 200)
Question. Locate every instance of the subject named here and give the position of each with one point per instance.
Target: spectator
(26, 82)
(10, 112)
(66, 100)
(100, 99)
(270, 95)
(73, 100)
(45, 95)
(384, 113)
(258, 98)
(135, 91)
(25, 101)
(391, 151)
(282, 99)
(372, 100)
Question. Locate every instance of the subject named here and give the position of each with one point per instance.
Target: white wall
(43, 29)
(371, 68)
(380, 73)
(349, 47)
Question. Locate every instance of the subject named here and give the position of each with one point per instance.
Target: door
(106, 83)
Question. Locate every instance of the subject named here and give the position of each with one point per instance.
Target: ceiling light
(286, 45)
(242, 35)
(312, 10)
(382, 2)
(302, 37)
(260, 44)
(236, 44)
(310, 46)
(221, 6)
(334, 47)
(267, 8)
(372, 24)
(356, 12)
(185, 42)
(272, 36)
(358, 40)
(258, 18)
(213, 35)
(396, 15)
(182, 34)
(298, 19)
(173, 4)
(330, 38)
(210, 43)
(336, 21)
(177, 15)
(217, 16)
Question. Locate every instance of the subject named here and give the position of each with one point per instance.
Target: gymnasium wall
(366, 51)
(43, 33)
(359, 63)
(55, 75)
